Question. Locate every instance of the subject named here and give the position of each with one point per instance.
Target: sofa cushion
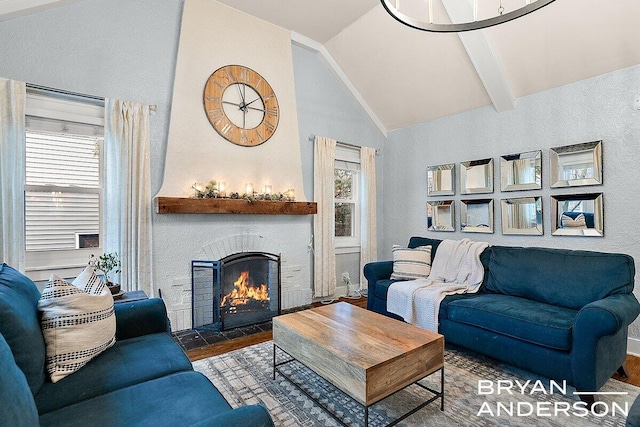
(415, 241)
(411, 263)
(18, 408)
(128, 362)
(382, 288)
(78, 322)
(559, 277)
(530, 321)
(20, 325)
(180, 399)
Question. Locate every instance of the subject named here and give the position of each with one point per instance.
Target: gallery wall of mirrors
(570, 166)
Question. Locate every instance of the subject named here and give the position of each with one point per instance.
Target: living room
(161, 54)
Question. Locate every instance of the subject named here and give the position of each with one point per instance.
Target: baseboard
(633, 346)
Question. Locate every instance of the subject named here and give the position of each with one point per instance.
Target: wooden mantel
(184, 205)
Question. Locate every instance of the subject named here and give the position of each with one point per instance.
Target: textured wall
(600, 108)
(113, 48)
(325, 108)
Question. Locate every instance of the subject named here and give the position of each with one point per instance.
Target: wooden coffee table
(366, 355)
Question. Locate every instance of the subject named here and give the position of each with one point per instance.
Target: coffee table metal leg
(366, 416)
(437, 394)
(442, 388)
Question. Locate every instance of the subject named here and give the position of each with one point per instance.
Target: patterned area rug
(245, 377)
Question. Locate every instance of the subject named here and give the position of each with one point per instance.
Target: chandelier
(490, 15)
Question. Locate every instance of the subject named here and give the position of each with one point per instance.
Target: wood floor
(238, 343)
(633, 362)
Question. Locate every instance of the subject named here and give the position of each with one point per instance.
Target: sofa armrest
(600, 339)
(373, 272)
(137, 318)
(606, 316)
(245, 416)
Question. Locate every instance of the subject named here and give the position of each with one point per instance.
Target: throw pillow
(410, 264)
(578, 222)
(78, 322)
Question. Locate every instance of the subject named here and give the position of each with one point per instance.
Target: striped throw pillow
(578, 222)
(78, 322)
(409, 264)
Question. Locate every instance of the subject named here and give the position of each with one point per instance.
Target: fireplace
(239, 290)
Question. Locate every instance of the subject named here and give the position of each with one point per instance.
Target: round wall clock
(241, 105)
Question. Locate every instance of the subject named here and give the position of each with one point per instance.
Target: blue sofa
(145, 379)
(563, 314)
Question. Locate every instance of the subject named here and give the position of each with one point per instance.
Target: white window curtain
(324, 257)
(12, 142)
(368, 228)
(127, 193)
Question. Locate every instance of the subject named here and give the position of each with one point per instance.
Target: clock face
(241, 105)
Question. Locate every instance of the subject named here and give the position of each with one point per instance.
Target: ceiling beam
(314, 46)
(483, 57)
(13, 8)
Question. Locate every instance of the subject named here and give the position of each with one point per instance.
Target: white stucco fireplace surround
(196, 153)
(295, 275)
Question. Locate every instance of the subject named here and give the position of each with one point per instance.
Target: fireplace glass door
(249, 289)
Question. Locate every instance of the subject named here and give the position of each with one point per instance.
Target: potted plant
(108, 263)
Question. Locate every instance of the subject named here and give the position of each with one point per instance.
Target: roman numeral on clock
(216, 115)
(272, 111)
(270, 126)
(226, 128)
(230, 76)
(244, 75)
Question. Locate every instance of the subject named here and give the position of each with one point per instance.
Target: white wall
(600, 108)
(214, 35)
(325, 108)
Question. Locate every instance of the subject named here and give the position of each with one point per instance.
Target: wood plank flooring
(633, 362)
(238, 343)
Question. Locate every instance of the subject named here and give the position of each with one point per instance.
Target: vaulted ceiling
(407, 76)
(403, 76)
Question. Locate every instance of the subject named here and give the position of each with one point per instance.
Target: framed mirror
(440, 215)
(577, 215)
(522, 171)
(441, 180)
(476, 216)
(522, 215)
(576, 165)
(476, 177)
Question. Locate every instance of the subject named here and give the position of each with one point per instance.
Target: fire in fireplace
(239, 290)
(250, 287)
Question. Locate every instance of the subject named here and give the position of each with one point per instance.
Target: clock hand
(249, 103)
(231, 103)
(257, 109)
(240, 92)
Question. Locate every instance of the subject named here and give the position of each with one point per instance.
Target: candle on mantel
(291, 194)
(198, 187)
(222, 188)
(267, 189)
(249, 188)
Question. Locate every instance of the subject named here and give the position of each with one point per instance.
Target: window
(346, 197)
(63, 184)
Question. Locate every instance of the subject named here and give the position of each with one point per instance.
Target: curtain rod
(312, 138)
(152, 108)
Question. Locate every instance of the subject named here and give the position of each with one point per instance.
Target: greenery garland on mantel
(211, 191)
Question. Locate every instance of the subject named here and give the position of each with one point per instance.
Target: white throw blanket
(456, 269)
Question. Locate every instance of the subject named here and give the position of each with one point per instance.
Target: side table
(131, 296)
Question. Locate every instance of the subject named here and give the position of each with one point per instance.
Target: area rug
(244, 377)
